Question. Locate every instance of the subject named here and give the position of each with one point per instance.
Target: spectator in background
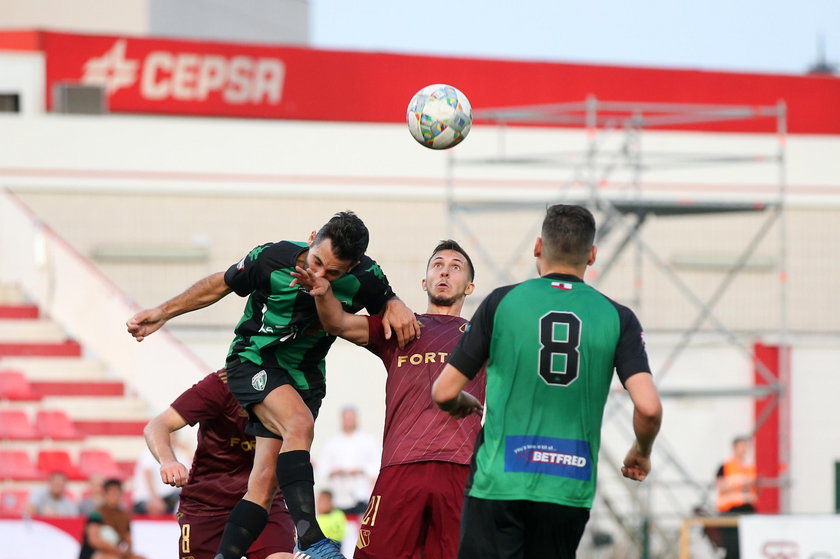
(148, 492)
(107, 533)
(736, 491)
(349, 463)
(52, 499)
(332, 521)
(92, 497)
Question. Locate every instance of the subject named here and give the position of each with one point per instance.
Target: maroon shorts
(200, 535)
(414, 508)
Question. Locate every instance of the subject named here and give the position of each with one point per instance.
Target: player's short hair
(347, 233)
(568, 233)
(112, 482)
(449, 244)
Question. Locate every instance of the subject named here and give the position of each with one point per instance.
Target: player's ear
(312, 237)
(470, 288)
(423, 284)
(538, 247)
(592, 253)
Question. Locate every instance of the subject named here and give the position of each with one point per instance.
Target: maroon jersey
(224, 454)
(416, 430)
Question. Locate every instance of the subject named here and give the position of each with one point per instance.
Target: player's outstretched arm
(334, 319)
(647, 418)
(157, 433)
(203, 293)
(447, 393)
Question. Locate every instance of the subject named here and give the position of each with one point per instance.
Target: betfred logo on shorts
(163, 75)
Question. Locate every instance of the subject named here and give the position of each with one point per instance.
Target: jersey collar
(564, 277)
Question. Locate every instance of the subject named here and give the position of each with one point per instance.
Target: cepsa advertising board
(167, 76)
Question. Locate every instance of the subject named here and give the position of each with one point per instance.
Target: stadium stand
(56, 425)
(59, 409)
(15, 386)
(16, 465)
(59, 461)
(13, 501)
(95, 461)
(15, 425)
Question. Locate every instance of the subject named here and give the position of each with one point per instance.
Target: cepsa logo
(186, 76)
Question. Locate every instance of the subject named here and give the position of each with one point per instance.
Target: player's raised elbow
(649, 410)
(646, 401)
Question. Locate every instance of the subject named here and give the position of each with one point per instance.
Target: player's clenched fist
(145, 322)
(174, 473)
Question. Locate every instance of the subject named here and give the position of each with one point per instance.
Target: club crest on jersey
(258, 380)
(364, 539)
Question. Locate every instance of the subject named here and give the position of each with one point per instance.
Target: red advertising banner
(145, 75)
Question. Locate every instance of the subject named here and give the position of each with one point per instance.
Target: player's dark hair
(449, 244)
(568, 233)
(112, 482)
(348, 235)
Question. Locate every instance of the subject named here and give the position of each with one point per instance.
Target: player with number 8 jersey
(550, 345)
(547, 425)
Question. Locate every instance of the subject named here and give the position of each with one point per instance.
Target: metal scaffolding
(621, 219)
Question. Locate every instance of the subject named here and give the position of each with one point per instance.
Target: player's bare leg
(284, 412)
(250, 515)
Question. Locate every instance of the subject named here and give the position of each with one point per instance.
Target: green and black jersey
(550, 345)
(280, 326)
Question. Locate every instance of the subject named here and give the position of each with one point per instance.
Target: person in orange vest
(736, 491)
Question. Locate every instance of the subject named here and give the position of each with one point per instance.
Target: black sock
(294, 472)
(244, 525)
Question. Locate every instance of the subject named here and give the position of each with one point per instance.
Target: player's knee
(300, 428)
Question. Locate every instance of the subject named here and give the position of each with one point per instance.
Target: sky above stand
(769, 36)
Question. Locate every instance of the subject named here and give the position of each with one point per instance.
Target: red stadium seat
(17, 465)
(54, 424)
(13, 501)
(14, 425)
(58, 461)
(98, 462)
(14, 386)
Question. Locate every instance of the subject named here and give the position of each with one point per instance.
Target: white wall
(24, 73)
(815, 438)
(96, 16)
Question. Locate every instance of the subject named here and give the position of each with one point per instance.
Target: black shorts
(520, 530)
(251, 383)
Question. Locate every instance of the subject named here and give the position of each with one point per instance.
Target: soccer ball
(439, 116)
